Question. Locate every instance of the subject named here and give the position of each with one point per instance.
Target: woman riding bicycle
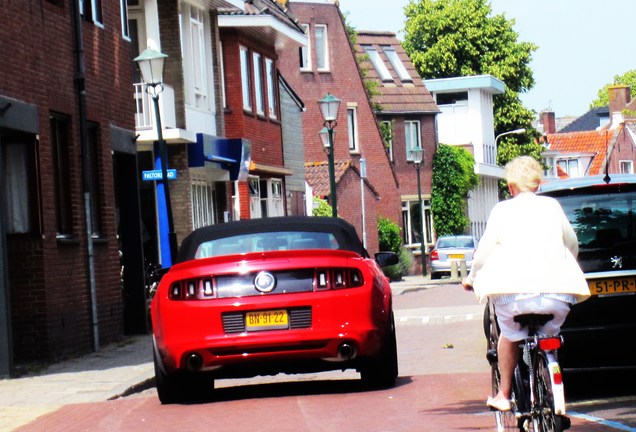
(525, 263)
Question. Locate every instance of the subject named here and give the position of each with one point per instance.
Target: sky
(583, 44)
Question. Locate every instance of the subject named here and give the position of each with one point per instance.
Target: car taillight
(192, 289)
(434, 255)
(326, 279)
(550, 344)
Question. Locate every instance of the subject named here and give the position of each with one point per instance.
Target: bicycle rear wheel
(546, 419)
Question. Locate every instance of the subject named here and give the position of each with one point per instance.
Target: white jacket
(528, 246)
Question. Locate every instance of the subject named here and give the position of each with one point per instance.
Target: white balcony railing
(145, 111)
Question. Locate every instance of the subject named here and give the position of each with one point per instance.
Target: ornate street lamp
(151, 67)
(329, 106)
(416, 156)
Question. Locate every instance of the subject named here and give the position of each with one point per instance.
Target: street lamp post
(151, 66)
(512, 132)
(416, 156)
(329, 105)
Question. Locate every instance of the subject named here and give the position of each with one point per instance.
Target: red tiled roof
(576, 143)
(395, 96)
(317, 175)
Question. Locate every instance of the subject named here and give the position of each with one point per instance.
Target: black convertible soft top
(343, 231)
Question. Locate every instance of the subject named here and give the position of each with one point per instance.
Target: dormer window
(397, 64)
(378, 64)
(570, 166)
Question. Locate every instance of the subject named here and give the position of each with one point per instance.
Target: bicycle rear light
(550, 344)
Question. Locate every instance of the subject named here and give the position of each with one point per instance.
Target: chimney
(547, 121)
(619, 96)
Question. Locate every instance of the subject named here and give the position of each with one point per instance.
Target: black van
(599, 333)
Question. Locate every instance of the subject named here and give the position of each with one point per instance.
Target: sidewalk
(113, 371)
(116, 370)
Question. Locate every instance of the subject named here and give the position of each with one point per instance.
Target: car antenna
(607, 178)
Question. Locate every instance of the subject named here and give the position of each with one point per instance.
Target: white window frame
(322, 49)
(626, 166)
(202, 201)
(397, 64)
(407, 218)
(222, 71)
(572, 166)
(245, 78)
(123, 11)
(352, 128)
(270, 73)
(412, 136)
(195, 47)
(275, 197)
(305, 51)
(390, 142)
(257, 66)
(378, 64)
(96, 6)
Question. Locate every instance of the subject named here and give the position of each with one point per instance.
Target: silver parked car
(451, 248)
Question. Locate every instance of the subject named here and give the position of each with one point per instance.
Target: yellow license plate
(612, 286)
(456, 256)
(267, 320)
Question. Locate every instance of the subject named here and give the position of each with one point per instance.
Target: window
(378, 64)
(271, 89)
(245, 80)
(266, 197)
(570, 166)
(258, 82)
(305, 51)
(322, 48)
(222, 69)
(91, 10)
(94, 157)
(386, 128)
(411, 136)
(124, 19)
(193, 23)
(397, 64)
(276, 200)
(627, 166)
(19, 180)
(202, 195)
(412, 221)
(254, 186)
(352, 126)
(60, 143)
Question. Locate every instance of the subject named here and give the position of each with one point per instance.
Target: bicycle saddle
(533, 319)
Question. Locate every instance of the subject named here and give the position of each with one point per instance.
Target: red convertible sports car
(267, 296)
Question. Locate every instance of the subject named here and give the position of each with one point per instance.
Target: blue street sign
(157, 175)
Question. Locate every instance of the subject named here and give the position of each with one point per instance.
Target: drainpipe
(80, 88)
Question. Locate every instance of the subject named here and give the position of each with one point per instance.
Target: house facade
(328, 65)
(406, 112)
(66, 149)
(467, 120)
(220, 113)
(608, 148)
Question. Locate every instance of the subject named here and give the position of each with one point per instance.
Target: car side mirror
(386, 258)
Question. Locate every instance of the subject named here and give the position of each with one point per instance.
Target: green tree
(628, 78)
(321, 207)
(453, 178)
(450, 38)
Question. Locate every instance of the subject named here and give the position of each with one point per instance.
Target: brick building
(328, 65)
(66, 142)
(406, 111)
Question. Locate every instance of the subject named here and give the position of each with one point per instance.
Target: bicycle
(537, 398)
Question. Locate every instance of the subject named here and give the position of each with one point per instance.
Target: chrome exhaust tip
(346, 351)
(194, 362)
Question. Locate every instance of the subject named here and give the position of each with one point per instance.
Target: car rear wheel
(181, 386)
(382, 371)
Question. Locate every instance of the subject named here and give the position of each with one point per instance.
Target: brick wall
(344, 82)
(50, 300)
